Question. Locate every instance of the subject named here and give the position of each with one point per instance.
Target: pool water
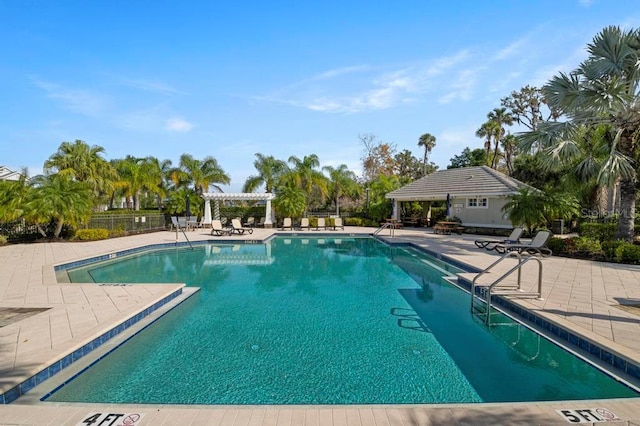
(322, 321)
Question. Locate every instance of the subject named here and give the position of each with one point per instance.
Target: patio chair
(514, 238)
(175, 224)
(236, 227)
(286, 224)
(536, 246)
(261, 222)
(250, 223)
(218, 229)
(337, 223)
(321, 224)
(304, 223)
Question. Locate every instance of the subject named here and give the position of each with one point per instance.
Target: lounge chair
(261, 222)
(175, 224)
(218, 229)
(286, 224)
(321, 224)
(514, 238)
(536, 246)
(337, 223)
(250, 223)
(304, 223)
(237, 227)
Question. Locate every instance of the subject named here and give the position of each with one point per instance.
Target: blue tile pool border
(571, 339)
(42, 375)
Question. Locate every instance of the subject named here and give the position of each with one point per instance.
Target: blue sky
(230, 79)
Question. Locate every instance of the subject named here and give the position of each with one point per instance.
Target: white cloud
(512, 49)
(85, 102)
(151, 86)
(445, 63)
(462, 87)
(178, 125)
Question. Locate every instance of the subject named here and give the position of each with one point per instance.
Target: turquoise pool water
(322, 321)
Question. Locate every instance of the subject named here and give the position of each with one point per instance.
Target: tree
(291, 201)
(83, 163)
(427, 141)
(408, 168)
(498, 118)
(486, 131)
(14, 195)
(509, 147)
(137, 175)
(526, 105)
(378, 158)
(342, 181)
(603, 90)
(468, 158)
(60, 199)
(200, 173)
(304, 176)
(526, 208)
(269, 171)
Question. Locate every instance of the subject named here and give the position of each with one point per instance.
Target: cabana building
(475, 195)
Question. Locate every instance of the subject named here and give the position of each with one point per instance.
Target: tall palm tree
(603, 90)
(269, 171)
(83, 163)
(13, 197)
(486, 131)
(159, 171)
(427, 141)
(137, 175)
(342, 181)
(201, 173)
(499, 117)
(510, 147)
(305, 176)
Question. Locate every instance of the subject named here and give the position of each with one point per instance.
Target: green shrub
(94, 234)
(589, 246)
(609, 248)
(3, 240)
(559, 245)
(599, 231)
(118, 232)
(353, 221)
(628, 253)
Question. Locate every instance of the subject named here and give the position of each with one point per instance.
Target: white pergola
(225, 196)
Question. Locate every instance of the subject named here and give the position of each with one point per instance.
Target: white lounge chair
(321, 224)
(304, 223)
(237, 227)
(250, 223)
(286, 224)
(261, 222)
(218, 229)
(337, 223)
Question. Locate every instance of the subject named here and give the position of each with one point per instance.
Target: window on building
(477, 203)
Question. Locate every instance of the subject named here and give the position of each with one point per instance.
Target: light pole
(367, 190)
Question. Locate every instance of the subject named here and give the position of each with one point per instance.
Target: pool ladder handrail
(386, 225)
(507, 290)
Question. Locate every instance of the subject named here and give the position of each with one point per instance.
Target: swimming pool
(323, 321)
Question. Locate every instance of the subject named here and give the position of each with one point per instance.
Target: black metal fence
(131, 223)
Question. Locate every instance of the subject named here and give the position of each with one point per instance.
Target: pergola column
(395, 210)
(207, 213)
(268, 222)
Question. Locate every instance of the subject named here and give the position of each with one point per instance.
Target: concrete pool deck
(581, 296)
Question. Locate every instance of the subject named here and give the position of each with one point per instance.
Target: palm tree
(83, 163)
(60, 199)
(427, 141)
(342, 182)
(201, 173)
(486, 131)
(159, 172)
(305, 176)
(291, 201)
(137, 175)
(499, 117)
(13, 197)
(526, 208)
(510, 147)
(269, 171)
(603, 90)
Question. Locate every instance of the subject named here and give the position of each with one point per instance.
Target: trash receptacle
(558, 227)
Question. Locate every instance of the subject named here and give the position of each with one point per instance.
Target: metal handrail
(490, 288)
(386, 225)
